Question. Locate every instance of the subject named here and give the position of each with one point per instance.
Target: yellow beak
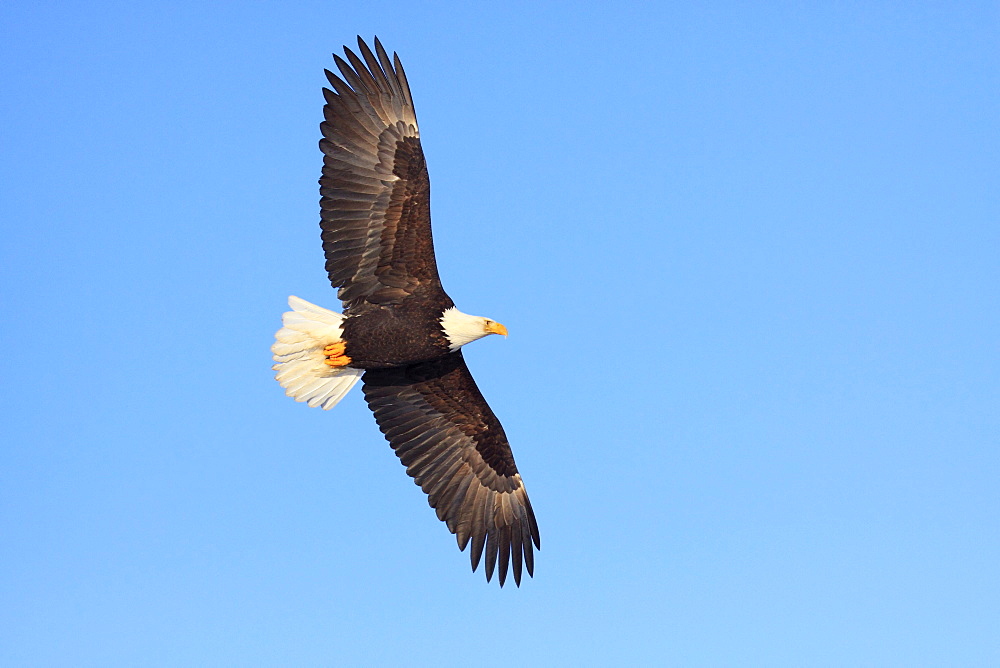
(496, 328)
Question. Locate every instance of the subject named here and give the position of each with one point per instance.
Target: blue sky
(748, 257)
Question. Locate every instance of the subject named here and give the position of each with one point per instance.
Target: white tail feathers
(301, 362)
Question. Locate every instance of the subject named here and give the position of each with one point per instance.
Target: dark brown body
(395, 335)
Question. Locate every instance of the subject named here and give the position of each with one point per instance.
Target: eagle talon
(335, 356)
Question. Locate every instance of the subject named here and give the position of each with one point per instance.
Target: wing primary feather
(503, 545)
(351, 98)
(478, 542)
(529, 556)
(375, 68)
(390, 93)
(370, 82)
(378, 93)
(463, 540)
(328, 95)
(492, 550)
(334, 80)
(457, 507)
(401, 75)
(353, 79)
(531, 520)
(515, 548)
(478, 526)
(390, 73)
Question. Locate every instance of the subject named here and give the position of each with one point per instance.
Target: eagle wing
(453, 446)
(375, 205)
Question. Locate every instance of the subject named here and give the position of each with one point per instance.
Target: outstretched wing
(375, 206)
(452, 444)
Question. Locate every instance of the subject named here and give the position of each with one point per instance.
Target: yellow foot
(335, 354)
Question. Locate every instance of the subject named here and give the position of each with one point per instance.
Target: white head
(462, 328)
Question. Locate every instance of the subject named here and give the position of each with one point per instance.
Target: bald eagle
(399, 332)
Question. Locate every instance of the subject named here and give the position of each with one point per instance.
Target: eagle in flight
(399, 332)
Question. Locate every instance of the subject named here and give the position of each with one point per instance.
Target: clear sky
(750, 262)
